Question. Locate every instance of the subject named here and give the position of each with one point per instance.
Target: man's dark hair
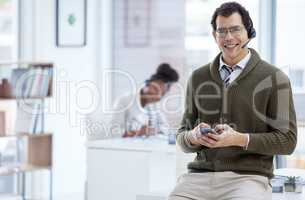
(227, 9)
(165, 73)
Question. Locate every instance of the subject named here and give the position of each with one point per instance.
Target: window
(199, 42)
(289, 57)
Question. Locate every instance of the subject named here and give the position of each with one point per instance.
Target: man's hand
(194, 136)
(227, 137)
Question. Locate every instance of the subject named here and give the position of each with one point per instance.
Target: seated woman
(139, 114)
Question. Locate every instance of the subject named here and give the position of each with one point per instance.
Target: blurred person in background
(139, 114)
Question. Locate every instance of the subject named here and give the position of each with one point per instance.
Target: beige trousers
(221, 186)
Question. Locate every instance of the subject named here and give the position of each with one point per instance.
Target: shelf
(34, 80)
(40, 151)
(5, 171)
(25, 84)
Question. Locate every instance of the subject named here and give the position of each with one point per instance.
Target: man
(249, 105)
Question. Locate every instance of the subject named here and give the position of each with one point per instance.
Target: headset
(250, 29)
(251, 33)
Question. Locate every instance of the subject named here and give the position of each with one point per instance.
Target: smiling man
(231, 37)
(239, 113)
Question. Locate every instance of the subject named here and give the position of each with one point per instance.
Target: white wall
(75, 68)
(164, 23)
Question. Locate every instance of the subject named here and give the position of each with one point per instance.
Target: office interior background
(123, 42)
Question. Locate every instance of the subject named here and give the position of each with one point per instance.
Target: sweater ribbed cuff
(253, 144)
(187, 142)
(187, 139)
(248, 140)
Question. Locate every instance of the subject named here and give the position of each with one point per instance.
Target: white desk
(124, 167)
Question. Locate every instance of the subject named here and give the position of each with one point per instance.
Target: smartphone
(207, 130)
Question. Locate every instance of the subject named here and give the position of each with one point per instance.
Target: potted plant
(293, 184)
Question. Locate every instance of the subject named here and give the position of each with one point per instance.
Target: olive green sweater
(259, 102)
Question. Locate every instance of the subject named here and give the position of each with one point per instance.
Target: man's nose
(228, 35)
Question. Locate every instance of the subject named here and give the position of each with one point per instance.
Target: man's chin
(232, 54)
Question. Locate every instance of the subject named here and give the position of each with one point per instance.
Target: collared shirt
(237, 69)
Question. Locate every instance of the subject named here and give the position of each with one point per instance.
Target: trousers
(221, 186)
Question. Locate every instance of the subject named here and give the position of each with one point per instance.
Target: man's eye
(221, 30)
(236, 29)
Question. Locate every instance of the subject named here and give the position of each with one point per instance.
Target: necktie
(227, 72)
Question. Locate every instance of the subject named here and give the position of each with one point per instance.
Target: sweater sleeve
(188, 122)
(281, 120)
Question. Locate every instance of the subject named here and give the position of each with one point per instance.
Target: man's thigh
(232, 186)
(193, 186)
(221, 186)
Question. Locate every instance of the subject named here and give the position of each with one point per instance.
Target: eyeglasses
(234, 31)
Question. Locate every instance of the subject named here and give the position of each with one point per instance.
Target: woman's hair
(164, 73)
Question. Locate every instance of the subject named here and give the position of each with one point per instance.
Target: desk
(121, 168)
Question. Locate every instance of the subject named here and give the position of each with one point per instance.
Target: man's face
(230, 36)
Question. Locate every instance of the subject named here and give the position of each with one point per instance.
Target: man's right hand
(194, 136)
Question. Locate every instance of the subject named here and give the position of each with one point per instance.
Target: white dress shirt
(237, 69)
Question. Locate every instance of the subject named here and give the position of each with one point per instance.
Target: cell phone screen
(207, 130)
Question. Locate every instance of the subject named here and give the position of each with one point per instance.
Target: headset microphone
(251, 34)
(245, 44)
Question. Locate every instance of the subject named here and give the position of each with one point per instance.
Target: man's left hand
(226, 136)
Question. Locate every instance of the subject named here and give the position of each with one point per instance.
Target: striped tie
(227, 72)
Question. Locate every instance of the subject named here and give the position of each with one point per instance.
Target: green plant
(291, 179)
(293, 184)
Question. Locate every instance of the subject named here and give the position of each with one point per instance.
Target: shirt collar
(242, 64)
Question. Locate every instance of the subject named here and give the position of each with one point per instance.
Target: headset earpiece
(251, 33)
